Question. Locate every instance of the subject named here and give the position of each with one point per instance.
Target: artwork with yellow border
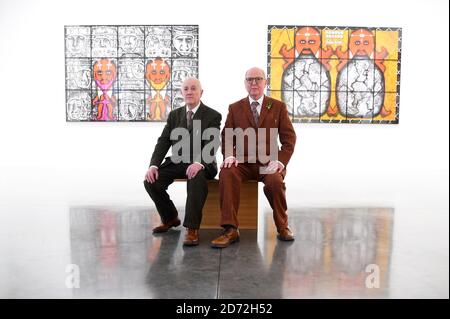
(336, 74)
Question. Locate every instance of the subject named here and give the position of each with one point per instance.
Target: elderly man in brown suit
(261, 114)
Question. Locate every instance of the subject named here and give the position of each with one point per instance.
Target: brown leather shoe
(191, 237)
(228, 237)
(286, 235)
(165, 227)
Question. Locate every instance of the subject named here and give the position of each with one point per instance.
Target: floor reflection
(338, 252)
(111, 247)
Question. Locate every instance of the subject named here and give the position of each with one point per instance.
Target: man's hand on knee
(152, 174)
(275, 166)
(193, 169)
(229, 161)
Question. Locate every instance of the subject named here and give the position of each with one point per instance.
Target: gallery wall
(44, 158)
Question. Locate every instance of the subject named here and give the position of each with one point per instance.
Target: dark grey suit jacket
(177, 119)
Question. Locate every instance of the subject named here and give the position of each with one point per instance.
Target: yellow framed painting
(336, 74)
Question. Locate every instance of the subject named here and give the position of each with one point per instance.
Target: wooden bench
(248, 208)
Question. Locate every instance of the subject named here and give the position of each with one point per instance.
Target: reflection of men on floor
(193, 167)
(108, 239)
(254, 112)
(180, 273)
(248, 265)
(163, 255)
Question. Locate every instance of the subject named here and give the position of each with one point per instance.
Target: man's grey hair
(195, 79)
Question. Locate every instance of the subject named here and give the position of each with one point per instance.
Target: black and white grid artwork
(127, 73)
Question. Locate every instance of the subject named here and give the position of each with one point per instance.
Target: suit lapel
(183, 120)
(264, 111)
(246, 106)
(197, 116)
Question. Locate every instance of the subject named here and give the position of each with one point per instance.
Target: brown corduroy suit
(273, 115)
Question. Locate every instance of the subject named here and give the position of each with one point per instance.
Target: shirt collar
(260, 100)
(194, 109)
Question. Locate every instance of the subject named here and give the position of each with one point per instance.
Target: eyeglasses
(257, 79)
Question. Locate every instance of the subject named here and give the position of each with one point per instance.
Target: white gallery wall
(44, 159)
(48, 165)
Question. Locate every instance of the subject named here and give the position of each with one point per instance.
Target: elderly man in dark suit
(193, 157)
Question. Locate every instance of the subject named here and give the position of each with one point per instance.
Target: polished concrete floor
(112, 253)
(119, 257)
(397, 250)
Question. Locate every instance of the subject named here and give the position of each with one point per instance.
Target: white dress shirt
(260, 102)
(193, 110)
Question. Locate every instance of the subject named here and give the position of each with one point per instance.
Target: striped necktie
(189, 119)
(254, 107)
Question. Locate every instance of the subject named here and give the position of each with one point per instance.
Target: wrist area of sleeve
(281, 164)
(203, 166)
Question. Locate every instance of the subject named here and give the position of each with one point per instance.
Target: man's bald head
(190, 81)
(192, 91)
(256, 71)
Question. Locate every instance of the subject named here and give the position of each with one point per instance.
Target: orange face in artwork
(361, 43)
(307, 40)
(105, 72)
(157, 73)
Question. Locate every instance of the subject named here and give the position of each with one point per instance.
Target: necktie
(189, 119)
(254, 106)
